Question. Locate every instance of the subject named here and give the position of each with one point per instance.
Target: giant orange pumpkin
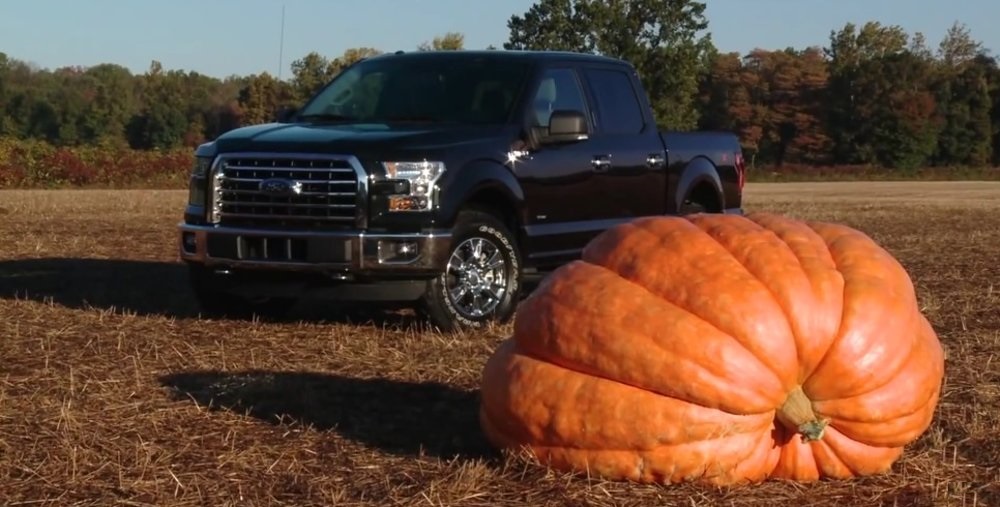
(721, 349)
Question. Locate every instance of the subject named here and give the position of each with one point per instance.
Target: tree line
(873, 95)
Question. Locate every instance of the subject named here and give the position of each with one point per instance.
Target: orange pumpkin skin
(722, 349)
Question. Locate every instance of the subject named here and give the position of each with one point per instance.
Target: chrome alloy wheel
(476, 277)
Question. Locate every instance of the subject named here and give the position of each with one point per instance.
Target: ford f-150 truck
(442, 180)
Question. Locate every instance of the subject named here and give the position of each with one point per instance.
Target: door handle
(655, 160)
(601, 163)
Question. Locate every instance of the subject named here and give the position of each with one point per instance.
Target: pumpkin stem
(797, 415)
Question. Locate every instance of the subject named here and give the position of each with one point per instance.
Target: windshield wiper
(427, 119)
(327, 117)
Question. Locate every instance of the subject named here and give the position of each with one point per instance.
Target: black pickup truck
(442, 180)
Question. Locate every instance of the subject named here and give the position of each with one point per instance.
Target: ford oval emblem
(280, 186)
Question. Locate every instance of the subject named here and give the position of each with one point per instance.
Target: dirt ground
(114, 392)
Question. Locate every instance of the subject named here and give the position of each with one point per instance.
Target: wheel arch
(700, 183)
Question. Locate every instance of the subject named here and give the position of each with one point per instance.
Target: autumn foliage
(36, 164)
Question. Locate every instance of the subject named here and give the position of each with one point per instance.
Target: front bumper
(342, 254)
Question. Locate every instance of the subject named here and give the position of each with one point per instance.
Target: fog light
(397, 252)
(408, 203)
(189, 242)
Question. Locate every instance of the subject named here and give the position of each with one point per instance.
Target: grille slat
(324, 193)
(285, 205)
(304, 181)
(253, 215)
(304, 194)
(293, 169)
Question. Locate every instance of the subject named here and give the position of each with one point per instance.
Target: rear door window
(618, 107)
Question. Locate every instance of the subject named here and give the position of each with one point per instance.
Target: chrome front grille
(286, 191)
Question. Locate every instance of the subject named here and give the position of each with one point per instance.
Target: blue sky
(223, 37)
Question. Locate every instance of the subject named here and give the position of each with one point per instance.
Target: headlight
(417, 189)
(201, 165)
(196, 191)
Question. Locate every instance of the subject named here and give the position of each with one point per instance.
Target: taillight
(741, 170)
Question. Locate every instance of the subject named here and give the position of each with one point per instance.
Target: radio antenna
(281, 44)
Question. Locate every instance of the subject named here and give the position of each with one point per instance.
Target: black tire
(442, 310)
(216, 302)
(690, 208)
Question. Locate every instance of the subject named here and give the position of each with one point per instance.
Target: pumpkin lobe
(797, 414)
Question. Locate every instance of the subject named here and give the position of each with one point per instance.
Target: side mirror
(284, 114)
(566, 126)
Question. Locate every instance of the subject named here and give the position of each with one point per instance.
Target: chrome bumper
(331, 252)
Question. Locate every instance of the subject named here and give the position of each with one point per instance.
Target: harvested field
(113, 391)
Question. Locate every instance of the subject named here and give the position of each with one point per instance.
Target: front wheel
(482, 278)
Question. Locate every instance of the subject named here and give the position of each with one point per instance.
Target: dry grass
(112, 391)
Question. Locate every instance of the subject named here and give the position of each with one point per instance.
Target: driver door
(562, 194)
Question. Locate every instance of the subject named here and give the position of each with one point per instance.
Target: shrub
(36, 164)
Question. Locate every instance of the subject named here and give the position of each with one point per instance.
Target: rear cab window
(618, 110)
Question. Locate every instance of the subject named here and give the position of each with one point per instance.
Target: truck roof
(532, 55)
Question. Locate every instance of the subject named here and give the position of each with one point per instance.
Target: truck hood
(356, 139)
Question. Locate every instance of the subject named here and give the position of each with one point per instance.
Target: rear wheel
(690, 208)
(216, 301)
(482, 277)
(701, 199)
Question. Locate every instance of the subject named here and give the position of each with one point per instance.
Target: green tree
(352, 56)
(548, 25)
(113, 103)
(310, 73)
(880, 106)
(902, 124)
(6, 126)
(262, 96)
(451, 41)
(161, 122)
(313, 71)
(964, 102)
(993, 82)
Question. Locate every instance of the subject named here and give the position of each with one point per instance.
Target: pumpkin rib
(825, 447)
(887, 374)
(796, 459)
(812, 279)
(556, 361)
(896, 432)
(606, 328)
(601, 250)
(548, 398)
(661, 465)
(494, 429)
(774, 296)
(903, 428)
(874, 459)
(754, 465)
(925, 361)
(838, 382)
(782, 228)
(777, 303)
(831, 457)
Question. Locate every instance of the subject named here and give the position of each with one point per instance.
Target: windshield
(436, 89)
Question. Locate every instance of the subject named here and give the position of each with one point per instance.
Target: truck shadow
(154, 289)
(142, 287)
(394, 416)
